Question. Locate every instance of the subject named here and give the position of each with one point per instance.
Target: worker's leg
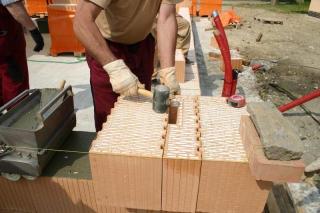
(12, 49)
(184, 35)
(101, 89)
(137, 57)
(2, 69)
(11, 87)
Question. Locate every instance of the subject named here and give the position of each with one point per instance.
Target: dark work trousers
(138, 57)
(13, 49)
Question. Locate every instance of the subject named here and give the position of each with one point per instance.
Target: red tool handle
(299, 101)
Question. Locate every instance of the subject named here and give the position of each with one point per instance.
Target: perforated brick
(126, 157)
(133, 128)
(220, 130)
(182, 159)
(182, 140)
(226, 183)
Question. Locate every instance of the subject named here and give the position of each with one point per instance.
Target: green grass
(283, 7)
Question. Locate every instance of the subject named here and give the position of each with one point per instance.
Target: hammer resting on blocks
(160, 97)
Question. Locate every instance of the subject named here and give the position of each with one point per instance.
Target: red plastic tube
(228, 80)
(299, 101)
(230, 83)
(219, 26)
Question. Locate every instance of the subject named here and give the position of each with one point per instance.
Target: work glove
(123, 81)
(14, 70)
(168, 78)
(37, 37)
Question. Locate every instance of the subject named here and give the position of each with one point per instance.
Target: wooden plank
(266, 20)
(262, 168)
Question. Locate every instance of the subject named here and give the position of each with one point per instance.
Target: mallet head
(160, 102)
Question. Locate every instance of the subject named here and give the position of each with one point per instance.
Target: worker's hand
(123, 81)
(168, 78)
(37, 37)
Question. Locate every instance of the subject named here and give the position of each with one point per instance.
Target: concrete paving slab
(279, 137)
(46, 72)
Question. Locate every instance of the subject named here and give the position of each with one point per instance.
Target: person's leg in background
(184, 36)
(13, 61)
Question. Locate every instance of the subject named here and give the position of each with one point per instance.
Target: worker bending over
(14, 77)
(120, 48)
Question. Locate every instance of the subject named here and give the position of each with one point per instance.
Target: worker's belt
(133, 48)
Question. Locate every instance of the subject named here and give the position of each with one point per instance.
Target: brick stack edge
(140, 161)
(196, 165)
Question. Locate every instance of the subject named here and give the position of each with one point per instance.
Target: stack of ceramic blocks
(126, 157)
(226, 182)
(182, 159)
(142, 160)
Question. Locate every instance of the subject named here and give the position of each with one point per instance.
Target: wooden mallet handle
(145, 93)
(62, 84)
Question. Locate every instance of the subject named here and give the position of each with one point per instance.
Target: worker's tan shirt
(128, 21)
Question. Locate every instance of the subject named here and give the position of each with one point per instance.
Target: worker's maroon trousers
(138, 57)
(12, 45)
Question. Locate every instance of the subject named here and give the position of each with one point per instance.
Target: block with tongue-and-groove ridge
(226, 183)
(182, 159)
(126, 156)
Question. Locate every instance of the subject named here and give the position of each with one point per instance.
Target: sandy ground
(290, 55)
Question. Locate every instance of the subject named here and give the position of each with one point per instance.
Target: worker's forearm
(19, 12)
(167, 37)
(88, 33)
(94, 43)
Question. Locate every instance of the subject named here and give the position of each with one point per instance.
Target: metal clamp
(40, 114)
(4, 150)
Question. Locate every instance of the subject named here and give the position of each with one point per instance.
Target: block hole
(173, 112)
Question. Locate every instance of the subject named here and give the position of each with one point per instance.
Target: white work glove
(123, 81)
(168, 78)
